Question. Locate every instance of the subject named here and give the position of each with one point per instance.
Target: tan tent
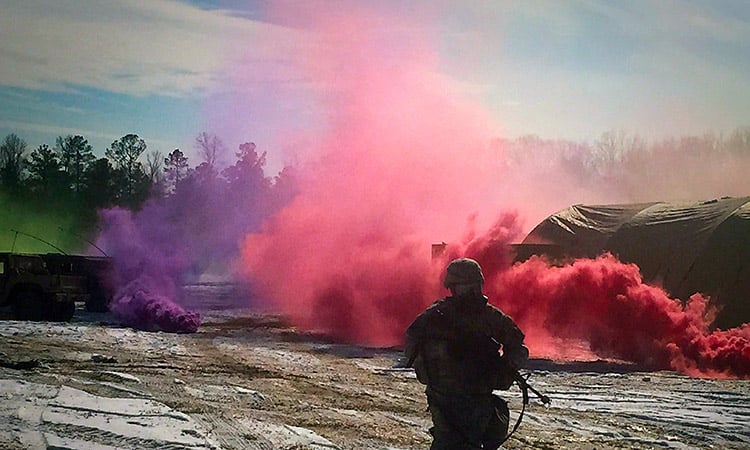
(684, 247)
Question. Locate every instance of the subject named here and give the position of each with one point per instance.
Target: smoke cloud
(601, 308)
(399, 166)
(605, 306)
(405, 160)
(191, 235)
(148, 268)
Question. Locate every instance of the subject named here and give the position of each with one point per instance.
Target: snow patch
(287, 437)
(42, 416)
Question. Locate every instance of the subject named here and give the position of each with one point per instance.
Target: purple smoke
(148, 264)
(178, 238)
(138, 306)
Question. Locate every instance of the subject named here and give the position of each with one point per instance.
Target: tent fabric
(684, 247)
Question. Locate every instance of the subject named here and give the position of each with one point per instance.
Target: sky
(168, 70)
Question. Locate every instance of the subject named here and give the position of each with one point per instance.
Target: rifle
(524, 384)
(521, 381)
(525, 387)
(503, 365)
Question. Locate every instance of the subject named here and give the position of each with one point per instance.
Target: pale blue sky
(558, 69)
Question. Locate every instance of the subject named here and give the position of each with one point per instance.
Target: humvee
(97, 271)
(35, 293)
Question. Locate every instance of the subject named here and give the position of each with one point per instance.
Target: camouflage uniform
(453, 347)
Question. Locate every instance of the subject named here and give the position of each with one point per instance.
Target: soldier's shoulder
(496, 314)
(428, 318)
(492, 309)
(438, 306)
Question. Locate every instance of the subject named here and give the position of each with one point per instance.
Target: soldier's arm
(415, 335)
(514, 350)
(422, 328)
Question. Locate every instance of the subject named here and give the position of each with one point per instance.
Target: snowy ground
(247, 380)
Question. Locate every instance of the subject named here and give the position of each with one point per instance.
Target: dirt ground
(254, 382)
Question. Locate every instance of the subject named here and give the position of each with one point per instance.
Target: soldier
(463, 348)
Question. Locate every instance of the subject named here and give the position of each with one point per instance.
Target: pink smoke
(397, 169)
(404, 161)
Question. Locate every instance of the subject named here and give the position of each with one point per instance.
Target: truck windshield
(31, 264)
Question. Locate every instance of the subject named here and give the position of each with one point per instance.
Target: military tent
(683, 247)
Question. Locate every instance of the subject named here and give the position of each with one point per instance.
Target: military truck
(96, 270)
(35, 293)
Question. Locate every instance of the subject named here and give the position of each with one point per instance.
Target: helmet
(463, 271)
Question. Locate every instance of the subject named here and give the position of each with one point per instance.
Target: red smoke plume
(606, 305)
(602, 308)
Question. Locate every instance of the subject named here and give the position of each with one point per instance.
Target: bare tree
(155, 173)
(154, 167)
(12, 161)
(612, 148)
(209, 147)
(739, 141)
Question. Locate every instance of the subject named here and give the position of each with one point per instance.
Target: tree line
(70, 176)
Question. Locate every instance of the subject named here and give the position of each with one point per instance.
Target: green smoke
(24, 228)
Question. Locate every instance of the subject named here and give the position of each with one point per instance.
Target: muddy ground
(248, 380)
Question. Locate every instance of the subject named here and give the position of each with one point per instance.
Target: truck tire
(29, 305)
(63, 311)
(97, 304)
